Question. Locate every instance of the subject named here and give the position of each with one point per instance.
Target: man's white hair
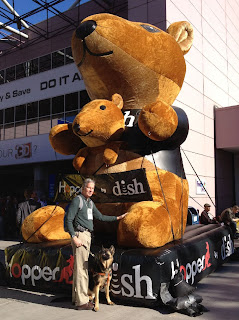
(86, 181)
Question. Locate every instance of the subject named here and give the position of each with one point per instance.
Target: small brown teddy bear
(99, 125)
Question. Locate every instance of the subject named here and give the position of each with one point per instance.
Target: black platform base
(137, 273)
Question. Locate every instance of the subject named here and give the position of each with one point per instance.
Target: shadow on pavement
(35, 297)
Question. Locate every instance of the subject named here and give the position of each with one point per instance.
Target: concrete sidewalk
(220, 293)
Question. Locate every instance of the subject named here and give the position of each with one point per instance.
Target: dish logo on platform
(192, 269)
(130, 284)
(227, 247)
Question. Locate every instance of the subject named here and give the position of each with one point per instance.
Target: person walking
(79, 221)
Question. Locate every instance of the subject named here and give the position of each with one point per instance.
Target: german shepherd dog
(100, 274)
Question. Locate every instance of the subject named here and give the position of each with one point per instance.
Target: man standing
(206, 216)
(28, 206)
(79, 222)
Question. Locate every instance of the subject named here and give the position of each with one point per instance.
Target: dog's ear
(102, 248)
(112, 250)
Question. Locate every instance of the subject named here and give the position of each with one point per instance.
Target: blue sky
(24, 6)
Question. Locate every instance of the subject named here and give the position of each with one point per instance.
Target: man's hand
(77, 242)
(122, 216)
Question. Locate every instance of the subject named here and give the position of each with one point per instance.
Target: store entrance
(15, 179)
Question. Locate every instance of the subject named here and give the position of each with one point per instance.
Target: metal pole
(74, 4)
(13, 30)
(15, 13)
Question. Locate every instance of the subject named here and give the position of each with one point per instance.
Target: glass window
(58, 58)
(10, 74)
(44, 125)
(58, 119)
(33, 66)
(57, 104)
(68, 56)
(45, 63)
(84, 98)
(71, 101)
(20, 130)
(32, 127)
(20, 113)
(9, 132)
(1, 132)
(9, 115)
(44, 108)
(21, 70)
(32, 110)
(2, 77)
(1, 116)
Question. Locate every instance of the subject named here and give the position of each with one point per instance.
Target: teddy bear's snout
(85, 29)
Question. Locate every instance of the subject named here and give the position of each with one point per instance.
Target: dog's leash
(92, 254)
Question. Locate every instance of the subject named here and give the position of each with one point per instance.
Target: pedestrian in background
(28, 206)
(227, 217)
(1, 219)
(206, 216)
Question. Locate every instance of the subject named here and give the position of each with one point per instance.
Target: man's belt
(82, 229)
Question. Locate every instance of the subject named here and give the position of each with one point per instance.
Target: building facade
(40, 86)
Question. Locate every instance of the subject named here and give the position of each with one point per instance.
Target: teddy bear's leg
(173, 191)
(45, 224)
(147, 225)
(158, 121)
(152, 224)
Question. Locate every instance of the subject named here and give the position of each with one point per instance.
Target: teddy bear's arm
(158, 121)
(80, 158)
(63, 140)
(111, 152)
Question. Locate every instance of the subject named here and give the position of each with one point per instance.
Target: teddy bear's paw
(158, 121)
(63, 140)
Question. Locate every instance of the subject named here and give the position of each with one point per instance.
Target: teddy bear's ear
(117, 100)
(182, 32)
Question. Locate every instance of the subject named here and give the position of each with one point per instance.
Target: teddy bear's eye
(150, 28)
(102, 107)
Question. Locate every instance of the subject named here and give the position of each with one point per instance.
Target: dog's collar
(108, 274)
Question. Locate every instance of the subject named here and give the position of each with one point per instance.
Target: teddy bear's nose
(85, 29)
(76, 127)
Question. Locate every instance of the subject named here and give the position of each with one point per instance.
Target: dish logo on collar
(121, 188)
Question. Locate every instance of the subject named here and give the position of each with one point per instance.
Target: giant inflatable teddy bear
(136, 70)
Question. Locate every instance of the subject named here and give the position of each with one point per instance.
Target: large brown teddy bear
(145, 66)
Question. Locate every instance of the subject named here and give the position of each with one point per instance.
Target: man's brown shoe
(86, 306)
